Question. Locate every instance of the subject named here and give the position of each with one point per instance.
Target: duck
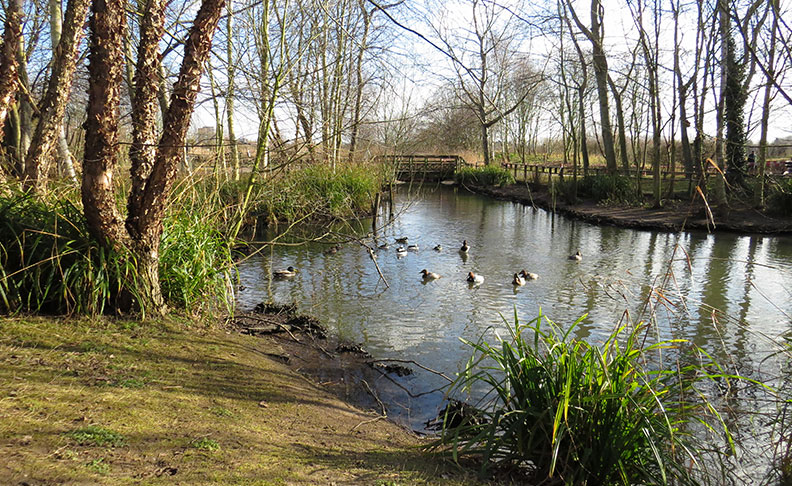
(427, 275)
(465, 247)
(288, 273)
(518, 279)
(412, 248)
(473, 278)
(403, 239)
(332, 250)
(577, 256)
(401, 251)
(438, 248)
(528, 275)
(384, 246)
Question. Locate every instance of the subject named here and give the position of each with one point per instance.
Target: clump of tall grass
(195, 262)
(319, 192)
(567, 412)
(50, 263)
(489, 175)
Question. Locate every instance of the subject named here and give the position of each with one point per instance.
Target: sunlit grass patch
(95, 435)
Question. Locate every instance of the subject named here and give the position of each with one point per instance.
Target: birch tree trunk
(9, 63)
(64, 154)
(53, 105)
(230, 93)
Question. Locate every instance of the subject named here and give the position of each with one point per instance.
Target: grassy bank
(116, 402)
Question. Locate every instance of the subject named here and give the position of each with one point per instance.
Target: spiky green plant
(569, 412)
(50, 263)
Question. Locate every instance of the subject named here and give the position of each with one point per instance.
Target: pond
(728, 293)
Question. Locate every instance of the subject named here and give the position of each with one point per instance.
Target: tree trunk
(9, 64)
(106, 64)
(762, 159)
(148, 225)
(143, 150)
(601, 77)
(53, 105)
(230, 93)
(723, 16)
(64, 155)
(359, 75)
(620, 119)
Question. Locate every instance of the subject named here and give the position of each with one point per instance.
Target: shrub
(564, 409)
(490, 175)
(318, 192)
(609, 189)
(779, 196)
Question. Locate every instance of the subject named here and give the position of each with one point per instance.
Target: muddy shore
(675, 216)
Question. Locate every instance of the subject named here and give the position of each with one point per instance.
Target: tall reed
(568, 412)
(50, 263)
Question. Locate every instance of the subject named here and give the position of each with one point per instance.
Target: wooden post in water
(375, 212)
(391, 200)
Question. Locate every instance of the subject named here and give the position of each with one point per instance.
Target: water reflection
(726, 292)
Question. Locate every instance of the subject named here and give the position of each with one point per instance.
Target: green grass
(60, 419)
(491, 175)
(205, 444)
(557, 407)
(96, 436)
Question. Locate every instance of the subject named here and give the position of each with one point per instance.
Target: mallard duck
(413, 248)
(528, 275)
(438, 248)
(288, 273)
(465, 247)
(473, 278)
(384, 246)
(518, 280)
(403, 239)
(577, 256)
(332, 250)
(401, 251)
(427, 275)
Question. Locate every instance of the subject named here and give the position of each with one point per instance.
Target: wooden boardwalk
(423, 167)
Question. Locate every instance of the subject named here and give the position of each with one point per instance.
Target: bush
(609, 189)
(490, 175)
(581, 414)
(779, 196)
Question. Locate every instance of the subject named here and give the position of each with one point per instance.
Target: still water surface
(729, 293)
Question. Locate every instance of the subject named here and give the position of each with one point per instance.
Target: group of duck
(519, 279)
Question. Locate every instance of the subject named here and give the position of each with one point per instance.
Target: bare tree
(53, 105)
(595, 35)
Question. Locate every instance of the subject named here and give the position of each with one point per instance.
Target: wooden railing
(423, 167)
